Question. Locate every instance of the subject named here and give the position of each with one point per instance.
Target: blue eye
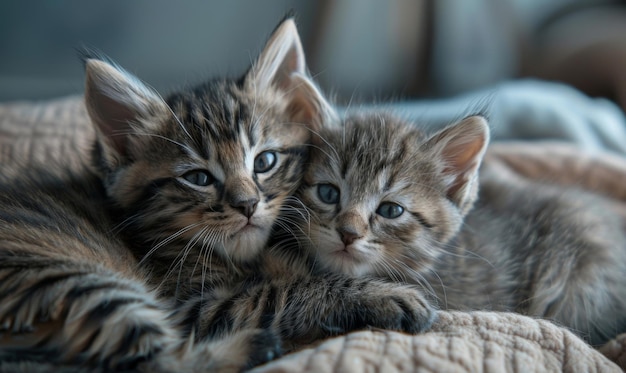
(328, 193)
(199, 177)
(390, 210)
(264, 162)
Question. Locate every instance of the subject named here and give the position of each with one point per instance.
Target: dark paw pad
(413, 318)
(264, 346)
(397, 308)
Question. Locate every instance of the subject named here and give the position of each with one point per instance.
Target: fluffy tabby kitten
(386, 200)
(72, 292)
(191, 185)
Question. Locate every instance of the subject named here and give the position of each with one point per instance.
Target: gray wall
(356, 49)
(166, 43)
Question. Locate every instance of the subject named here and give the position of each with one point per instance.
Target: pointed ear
(116, 102)
(461, 148)
(282, 56)
(282, 66)
(308, 105)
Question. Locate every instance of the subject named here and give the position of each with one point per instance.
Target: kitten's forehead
(220, 121)
(371, 153)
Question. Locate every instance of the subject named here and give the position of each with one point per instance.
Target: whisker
(180, 123)
(181, 145)
(183, 253)
(125, 223)
(169, 239)
(453, 251)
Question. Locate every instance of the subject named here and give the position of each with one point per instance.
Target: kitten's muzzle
(351, 226)
(348, 235)
(246, 207)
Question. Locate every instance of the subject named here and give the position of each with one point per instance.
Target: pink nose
(348, 235)
(246, 207)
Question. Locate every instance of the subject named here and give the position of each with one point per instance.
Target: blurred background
(360, 50)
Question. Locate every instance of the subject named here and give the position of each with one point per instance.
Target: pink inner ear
(462, 149)
(112, 119)
(301, 111)
(468, 157)
(463, 165)
(460, 181)
(115, 99)
(281, 57)
(463, 157)
(290, 64)
(307, 104)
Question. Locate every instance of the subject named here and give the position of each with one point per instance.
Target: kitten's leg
(72, 314)
(76, 312)
(591, 309)
(303, 309)
(579, 268)
(234, 352)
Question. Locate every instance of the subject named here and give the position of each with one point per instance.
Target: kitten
(73, 292)
(155, 261)
(386, 200)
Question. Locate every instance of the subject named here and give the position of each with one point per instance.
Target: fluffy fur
(384, 199)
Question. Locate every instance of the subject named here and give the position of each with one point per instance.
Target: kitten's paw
(407, 310)
(265, 346)
(389, 306)
(240, 351)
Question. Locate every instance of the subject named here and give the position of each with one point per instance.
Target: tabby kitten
(72, 292)
(155, 261)
(386, 200)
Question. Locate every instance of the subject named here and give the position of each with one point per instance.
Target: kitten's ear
(116, 102)
(308, 105)
(282, 66)
(282, 57)
(461, 148)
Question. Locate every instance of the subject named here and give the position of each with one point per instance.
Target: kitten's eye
(328, 193)
(199, 177)
(390, 210)
(264, 162)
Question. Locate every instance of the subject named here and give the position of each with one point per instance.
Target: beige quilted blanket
(458, 342)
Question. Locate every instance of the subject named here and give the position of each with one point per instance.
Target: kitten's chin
(248, 238)
(246, 244)
(349, 266)
(347, 261)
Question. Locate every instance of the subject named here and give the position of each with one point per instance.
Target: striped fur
(524, 246)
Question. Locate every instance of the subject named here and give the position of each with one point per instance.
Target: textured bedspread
(458, 342)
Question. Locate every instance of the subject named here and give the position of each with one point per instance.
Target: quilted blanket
(459, 341)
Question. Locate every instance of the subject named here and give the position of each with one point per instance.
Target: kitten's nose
(246, 207)
(348, 235)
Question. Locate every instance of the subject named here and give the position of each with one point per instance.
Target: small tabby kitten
(118, 268)
(383, 199)
(72, 292)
